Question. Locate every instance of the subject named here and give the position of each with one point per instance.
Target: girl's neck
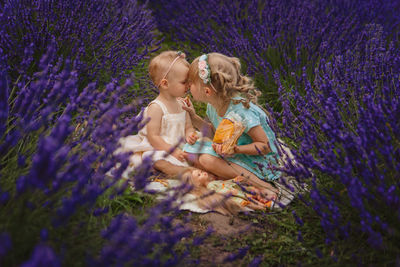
(221, 105)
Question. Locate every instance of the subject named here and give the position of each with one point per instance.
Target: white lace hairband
(179, 55)
(205, 71)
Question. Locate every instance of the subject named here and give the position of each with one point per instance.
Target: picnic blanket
(166, 187)
(288, 187)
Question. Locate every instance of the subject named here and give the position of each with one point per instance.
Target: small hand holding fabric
(179, 154)
(191, 138)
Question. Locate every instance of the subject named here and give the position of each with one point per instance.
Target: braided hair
(227, 79)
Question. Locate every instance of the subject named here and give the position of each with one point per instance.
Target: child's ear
(164, 83)
(208, 91)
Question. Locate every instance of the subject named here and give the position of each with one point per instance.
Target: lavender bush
(56, 151)
(346, 128)
(58, 133)
(274, 35)
(336, 81)
(105, 38)
(336, 78)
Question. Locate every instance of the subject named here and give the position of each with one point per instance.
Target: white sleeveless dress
(172, 132)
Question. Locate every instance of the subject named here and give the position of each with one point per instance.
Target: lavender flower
(318, 253)
(43, 255)
(238, 255)
(256, 261)
(5, 244)
(297, 218)
(4, 93)
(129, 242)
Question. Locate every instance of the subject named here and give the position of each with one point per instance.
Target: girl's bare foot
(239, 179)
(269, 193)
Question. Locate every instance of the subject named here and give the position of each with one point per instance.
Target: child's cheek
(194, 94)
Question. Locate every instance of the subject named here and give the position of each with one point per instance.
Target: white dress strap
(161, 104)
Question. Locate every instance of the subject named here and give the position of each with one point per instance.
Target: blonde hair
(159, 65)
(226, 78)
(209, 199)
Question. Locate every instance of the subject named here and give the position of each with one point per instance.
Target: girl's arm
(190, 131)
(198, 122)
(260, 143)
(204, 126)
(259, 146)
(154, 129)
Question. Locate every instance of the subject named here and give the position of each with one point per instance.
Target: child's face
(197, 91)
(178, 80)
(200, 177)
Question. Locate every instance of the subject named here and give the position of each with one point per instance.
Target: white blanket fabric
(188, 201)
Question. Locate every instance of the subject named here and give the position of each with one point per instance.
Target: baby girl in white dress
(168, 125)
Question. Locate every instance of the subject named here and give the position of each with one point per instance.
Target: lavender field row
(73, 77)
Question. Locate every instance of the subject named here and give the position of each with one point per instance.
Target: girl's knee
(207, 161)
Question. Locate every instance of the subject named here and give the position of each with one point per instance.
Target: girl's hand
(179, 154)
(191, 138)
(187, 105)
(218, 149)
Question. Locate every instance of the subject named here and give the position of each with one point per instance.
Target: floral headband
(205, 71)
(179, 55)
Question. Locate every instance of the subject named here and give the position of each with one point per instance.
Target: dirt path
(217, 247)
(226, 226)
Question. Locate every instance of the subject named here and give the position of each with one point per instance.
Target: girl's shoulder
(154, 107)
(252, 116)
(252, 110)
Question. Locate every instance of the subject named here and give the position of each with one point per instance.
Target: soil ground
(221, 243)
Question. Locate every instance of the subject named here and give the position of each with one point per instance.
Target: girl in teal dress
(215, 79)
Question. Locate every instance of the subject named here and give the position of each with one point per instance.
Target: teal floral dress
(251, 117)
